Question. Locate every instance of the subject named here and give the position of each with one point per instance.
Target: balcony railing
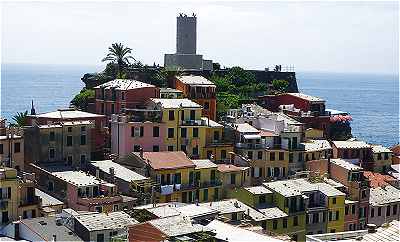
(250, 146)
(199, 122)
(28, 202)
(170, 188)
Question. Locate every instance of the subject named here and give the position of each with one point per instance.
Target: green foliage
(280, 85)
(120, 55)
(21, 119)
(340, 131)
(82, 99)
(235, 87)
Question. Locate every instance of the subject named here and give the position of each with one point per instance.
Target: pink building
(130, 133)
(79, 190)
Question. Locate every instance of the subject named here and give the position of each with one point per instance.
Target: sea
(371, 99)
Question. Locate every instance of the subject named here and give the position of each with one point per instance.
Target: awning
(252, 136)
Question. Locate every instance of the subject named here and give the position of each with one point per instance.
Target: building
(218, 143)
(181, 179)
(116, 96)
(40, 229)
(357, 190)
(130, 133)
(388, 233)
(382, 158)
(316, 149)
(50, 205)
(200, 90)
(128, 181)
(98, 134)
(11, 147)
(18, 197)
(357, 152)
(185, 57)
(311, 207)
(170, 93)
(80, 191)
(384, 202)
(66, 143)
(396, 154)
(233, 176)
(185, 129)
(304, 108)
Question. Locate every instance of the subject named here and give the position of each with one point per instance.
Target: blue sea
(371, 99)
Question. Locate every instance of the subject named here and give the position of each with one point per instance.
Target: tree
(21, 119)
(82, 99)
(120, 55)
(280, 85)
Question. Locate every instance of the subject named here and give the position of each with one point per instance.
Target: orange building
(199, 90)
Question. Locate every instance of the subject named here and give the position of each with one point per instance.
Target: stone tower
(186, 34)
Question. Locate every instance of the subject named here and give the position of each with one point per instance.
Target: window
(100, 237)
(132, 131)
(205, 194)
(83, 159)
(4, 217)
(112, 108)
(334, 200)
(170, 148)
(346, 210)
(295, 221)
(177, 178)
(156, 131)
(195, 150)
(294, 143)
(136, 148)
(171, 115)
(206, 105)
(281, 156)
(260, 155)
(233, 178)
(102, 108)
(337, 215)
(353, 209)
(212, 175)
(141, 131)
(115, 207)
(330, 215)
(315, 218)
(290, 157)
(394, 209)
(372, 212)
(99, 209)
(1, 149)
(272, 156)
(69, 160)
(192, 114)
(83, 139)
(52, 153)
(195, 132)
(156, 148)
(274, 224)
(183, 132)
(25, 214)
(50, 186)
(17, 147)
(250, 155)
(69, 140)
(379, 156)
(388, 211)
(380, 211)
(69, 129)
(171, 132)
(183, 148)
(261, 199)
(52, 136)
(285, 223)
(363, 193)
(216, 135)
(386, 156)
(333, 230)
(123, 95)
(223, 154)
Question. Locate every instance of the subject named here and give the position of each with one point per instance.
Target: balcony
(219, 142)
(28, 202)
(250, 146)
(199, 122)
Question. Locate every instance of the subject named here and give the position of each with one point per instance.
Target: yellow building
(182, 179)
(12, 147)
(17, 196)
(186, 130)
(233, 176)
(277, 163)
(218, 146)
(316, 149)
(382, 158)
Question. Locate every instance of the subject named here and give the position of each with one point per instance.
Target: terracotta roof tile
(377, 179)
(228, 168)
(168, 160)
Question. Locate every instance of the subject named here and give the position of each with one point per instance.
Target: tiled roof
(345, 164)
(175, 103)
(390, 233)
(105, 221)
(124, 84)
(67, 114)
(377, 179)
(306, 97)
(228, 168)
(351, 144)
(205, 163)
(316, 145)
(384, 195)
(245, 128)
(273, 212)
(267, 133)
(380, 149)
(211, 123)
(176, 225)
(47, 200)
(168, 160)
(195, 80)
(119, 170)
(258, 190)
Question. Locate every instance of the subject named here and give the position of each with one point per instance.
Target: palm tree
(21, 119)
(120, 55)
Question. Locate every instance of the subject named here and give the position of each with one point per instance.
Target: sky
(312, 36)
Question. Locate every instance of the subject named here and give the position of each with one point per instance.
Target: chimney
(141, 152)
(97, 173)
(16, 231)
(112, 171)
(371, 228)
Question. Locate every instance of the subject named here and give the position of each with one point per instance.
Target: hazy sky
(333, 36)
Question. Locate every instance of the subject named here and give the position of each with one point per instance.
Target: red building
(355, 151)
(118, 95)
(199, 90)
(304, 108)
(99, 133)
